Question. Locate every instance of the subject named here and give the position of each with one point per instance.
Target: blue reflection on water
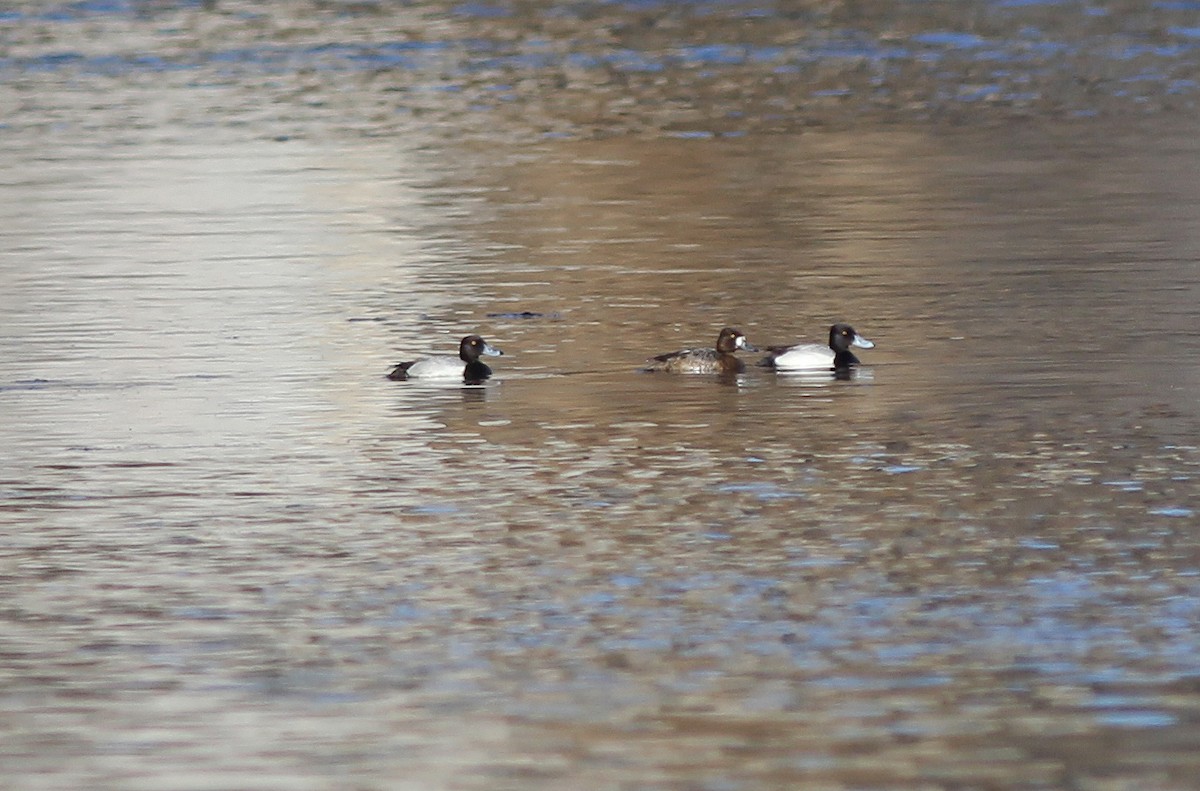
(72, 12)
(1137, 719)
(477, 54)
(949, 39)
(1173, 511)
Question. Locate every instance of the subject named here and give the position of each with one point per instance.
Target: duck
(814, 357)
(718, 360)
(466, 366)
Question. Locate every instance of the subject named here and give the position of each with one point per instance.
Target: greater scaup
(814, 357)
(466, 366)
(719, 360)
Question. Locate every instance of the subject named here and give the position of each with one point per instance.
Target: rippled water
(234, 555)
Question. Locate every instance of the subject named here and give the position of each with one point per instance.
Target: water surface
(234, 555)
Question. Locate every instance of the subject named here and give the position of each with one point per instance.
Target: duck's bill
(492, 351)
(862, 342)
(746, 345)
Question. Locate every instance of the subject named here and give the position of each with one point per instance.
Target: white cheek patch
(741, 342)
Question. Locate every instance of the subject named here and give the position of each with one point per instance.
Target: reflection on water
(690, 70)
(230, 546)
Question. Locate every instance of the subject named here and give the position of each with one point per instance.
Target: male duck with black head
(835, 357)
(718, 360)
(466, 366)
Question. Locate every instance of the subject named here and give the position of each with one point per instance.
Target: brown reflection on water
(967, 262)
(724, 231)
(928, 569)
(232, 546)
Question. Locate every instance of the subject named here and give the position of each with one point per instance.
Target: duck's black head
(473, 346)
(843, 336)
